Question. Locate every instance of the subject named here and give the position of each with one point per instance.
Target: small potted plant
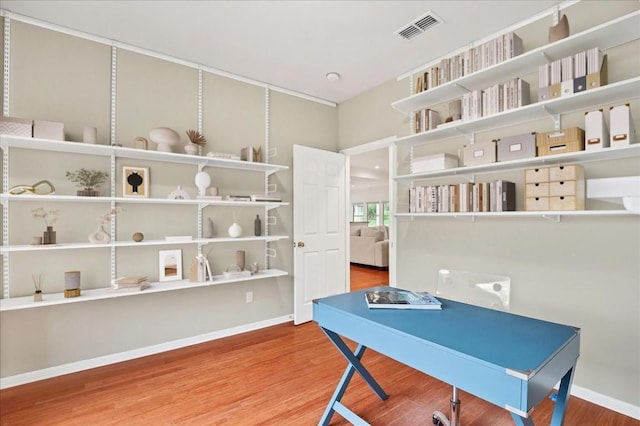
(197, 140)
(88, 180)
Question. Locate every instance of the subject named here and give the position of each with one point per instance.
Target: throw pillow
(372, 232)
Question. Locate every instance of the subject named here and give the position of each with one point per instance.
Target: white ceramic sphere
(235, 230)
(164, 136)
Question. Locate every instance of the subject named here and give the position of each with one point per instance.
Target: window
(357, 212)
(375, 213)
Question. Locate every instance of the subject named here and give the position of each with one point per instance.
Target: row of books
(496, 196)
(495, 99)
(426, 119)
(570, 67)
(474, 59)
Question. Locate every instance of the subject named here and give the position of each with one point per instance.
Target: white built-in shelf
(552, 215)
(137, 154)
(570, 157)
(76, 246)
(203, 202)
(26, 302)
(610, 34)
(593, 98)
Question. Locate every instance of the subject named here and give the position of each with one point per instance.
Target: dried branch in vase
(196, 137)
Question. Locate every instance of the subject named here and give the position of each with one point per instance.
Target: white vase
(165, 138)
(191, 149)
(100, 236)
(235, 230)
(207, 228)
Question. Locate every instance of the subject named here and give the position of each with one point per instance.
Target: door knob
(299, 244)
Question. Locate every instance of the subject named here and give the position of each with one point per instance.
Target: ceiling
(289, 44)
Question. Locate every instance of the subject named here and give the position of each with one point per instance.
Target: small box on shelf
(429, 163)
(479, 153)
(621, 125)
(596, 134)
(16, 127)
(560, 141)
(516, 147)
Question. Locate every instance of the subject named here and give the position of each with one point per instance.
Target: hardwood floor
(281, 375)
(363, 277)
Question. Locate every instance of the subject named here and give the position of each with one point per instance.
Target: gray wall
(584, 271)
(64, 78)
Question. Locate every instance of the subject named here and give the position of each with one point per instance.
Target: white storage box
(16, 127)
(48, 130)
(621, 125)
(596, 134)
(479, 153)
(434, 162)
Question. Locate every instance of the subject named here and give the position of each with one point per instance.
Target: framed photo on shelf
(169, 265)
(135, 181)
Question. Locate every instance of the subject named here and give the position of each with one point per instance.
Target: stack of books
(401, 299)
(496, 196)
(129, 284)
(267, 198)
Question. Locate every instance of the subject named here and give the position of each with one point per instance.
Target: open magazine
(401, 299)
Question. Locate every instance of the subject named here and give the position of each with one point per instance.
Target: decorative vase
(240, 256)
(137, 237)
(203, 180)
(179, 194)
(207, 228)
(88, 193)
(191, 149)
(100, 236)
(235, 230)
(164, 138)
(37, 296)
(257, 226)
(49, 236)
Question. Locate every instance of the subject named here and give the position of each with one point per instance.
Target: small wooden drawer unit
(560, 141)
(555, 188)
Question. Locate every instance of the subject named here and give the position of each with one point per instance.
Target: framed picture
(135, 181)
(170, 265)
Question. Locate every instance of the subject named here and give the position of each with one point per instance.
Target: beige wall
(582, 271)
(63, 78)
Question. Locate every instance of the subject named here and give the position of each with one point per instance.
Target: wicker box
(560, 141)
(16, 127)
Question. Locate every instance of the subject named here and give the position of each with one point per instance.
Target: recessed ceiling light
(332, 76)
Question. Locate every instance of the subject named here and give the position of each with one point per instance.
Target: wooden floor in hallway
(364, 277)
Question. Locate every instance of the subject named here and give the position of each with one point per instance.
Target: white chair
(487, 290)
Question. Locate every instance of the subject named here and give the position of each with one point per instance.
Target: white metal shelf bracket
(272, 220)
(552, 217)
(269, 252)
(271, 188)
(557, 122)
(462, 87)
(7, 63)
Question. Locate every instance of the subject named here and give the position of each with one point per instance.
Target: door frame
(389, 143)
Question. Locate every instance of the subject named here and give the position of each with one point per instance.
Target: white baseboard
(74, 367)
(606, 401)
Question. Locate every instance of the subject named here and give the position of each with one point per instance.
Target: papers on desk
(401, 299)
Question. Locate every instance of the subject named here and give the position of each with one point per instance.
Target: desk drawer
(536, 190)
(536, 204)
(571, 172)
(568, 202)
(566, 187)
(536, 175)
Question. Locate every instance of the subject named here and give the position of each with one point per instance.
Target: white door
(319, 222)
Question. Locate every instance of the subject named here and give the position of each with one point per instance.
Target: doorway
(369, 206)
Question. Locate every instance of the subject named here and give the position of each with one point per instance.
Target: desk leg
(354, 365)
(562, 398)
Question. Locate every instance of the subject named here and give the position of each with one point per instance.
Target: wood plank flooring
(281, 375)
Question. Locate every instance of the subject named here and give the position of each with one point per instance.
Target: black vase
(257, 226)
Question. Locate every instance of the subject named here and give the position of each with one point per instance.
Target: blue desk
(509, 360)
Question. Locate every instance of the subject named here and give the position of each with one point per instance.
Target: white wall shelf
(605, 36)
(26, 302)
(138, 154)
(570, 157)
(609, 94)
(77, 246)
(138, 200)
(554, 215)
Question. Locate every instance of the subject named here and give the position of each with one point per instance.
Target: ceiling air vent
(419, 25)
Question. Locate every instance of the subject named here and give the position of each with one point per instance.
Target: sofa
(369, 245)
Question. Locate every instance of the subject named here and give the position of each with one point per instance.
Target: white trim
(370, 146)
(157, 55)
(47, 373)
(605, 401)
(531, 19)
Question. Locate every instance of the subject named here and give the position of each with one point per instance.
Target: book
(126, 288)
(401, 299)
(131, 280)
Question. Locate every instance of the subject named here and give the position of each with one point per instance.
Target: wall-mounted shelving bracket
(269, 252)
(465, 218)
(557, 122)
(552, 217)
(460, 86)
(272, 220)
